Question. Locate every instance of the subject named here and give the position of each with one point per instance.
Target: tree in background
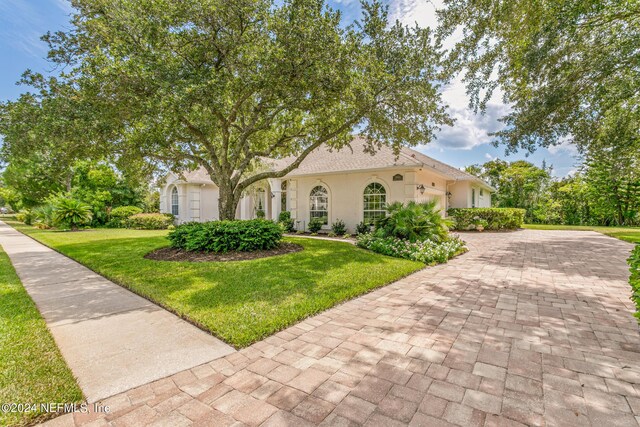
(223, 84)
(520, 184)
(562, 65)
(567, 201)
(612, 169)
(605, 190)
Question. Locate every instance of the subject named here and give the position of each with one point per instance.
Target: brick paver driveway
(530, 327)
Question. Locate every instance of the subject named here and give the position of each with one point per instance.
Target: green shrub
(124, 212)
(71, 213)
(287, 222)
(426, 251)
(149, 221)
(634, 279)
(413, 222)
(339, 228)
(225, 236)
(363, 228)
(496, 218)
(26, 216)
(44, 216)
(315, 225)
(260, 214)
(119, 215)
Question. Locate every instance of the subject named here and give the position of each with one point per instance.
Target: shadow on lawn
(265, 294)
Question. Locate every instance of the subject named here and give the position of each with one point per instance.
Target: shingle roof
(352, 158)
(198, 176)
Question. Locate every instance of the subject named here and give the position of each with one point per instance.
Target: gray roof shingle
(353, 158)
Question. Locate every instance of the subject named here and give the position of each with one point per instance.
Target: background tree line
(604, 191)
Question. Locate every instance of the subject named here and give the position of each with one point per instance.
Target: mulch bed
(172, 254)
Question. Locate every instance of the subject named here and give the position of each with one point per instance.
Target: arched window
(175, 202)
(319, 204)
(375, 199)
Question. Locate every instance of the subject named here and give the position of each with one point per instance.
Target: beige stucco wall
(199, 202)
(196, 202)
(346, 199)
(462, 192)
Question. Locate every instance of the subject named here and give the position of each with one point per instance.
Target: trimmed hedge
(496, 218)
(149, 221)
(634, 280)
(225, 236)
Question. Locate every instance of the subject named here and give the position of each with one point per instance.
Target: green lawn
(240, 302)
(630, 234)
(31, 367)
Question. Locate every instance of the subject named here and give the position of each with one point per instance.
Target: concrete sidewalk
(112, 339)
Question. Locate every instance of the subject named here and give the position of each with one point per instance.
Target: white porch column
(245, 207)
(276, 191)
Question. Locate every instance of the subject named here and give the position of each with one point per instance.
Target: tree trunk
(227, 203)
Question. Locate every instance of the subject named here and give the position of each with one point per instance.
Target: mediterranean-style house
(348, 184)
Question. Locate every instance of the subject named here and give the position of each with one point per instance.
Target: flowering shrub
(426, 251)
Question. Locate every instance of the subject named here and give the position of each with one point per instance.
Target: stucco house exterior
(349, 184)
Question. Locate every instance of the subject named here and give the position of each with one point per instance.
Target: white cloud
(488, 156)
(565, 147)
(470, 129)
(65, 6)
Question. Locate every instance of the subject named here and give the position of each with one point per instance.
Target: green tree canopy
(519, 184)
(562, 65)
(223, 84)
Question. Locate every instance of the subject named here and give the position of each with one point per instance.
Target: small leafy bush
(496, 218)
(287, 222)
(413, 222)
(339, 228)
(260, 214)
(315, 225)
(119, 215)
(44, 216)
(71, 213)
(26, 216)
(426, 251)
(124, 212)
(363, 228)
(149, 221)
(634, 279)
(225, 236)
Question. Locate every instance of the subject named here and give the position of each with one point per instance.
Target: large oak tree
(223, 84)
(563, 65)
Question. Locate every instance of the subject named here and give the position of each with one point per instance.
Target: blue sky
(22, 22)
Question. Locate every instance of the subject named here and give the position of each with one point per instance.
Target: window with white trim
(175, 209)
(375, 199)
(319, 204)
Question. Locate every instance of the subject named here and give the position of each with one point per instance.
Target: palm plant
(44, 216)
(71, 213)
(413, 221)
